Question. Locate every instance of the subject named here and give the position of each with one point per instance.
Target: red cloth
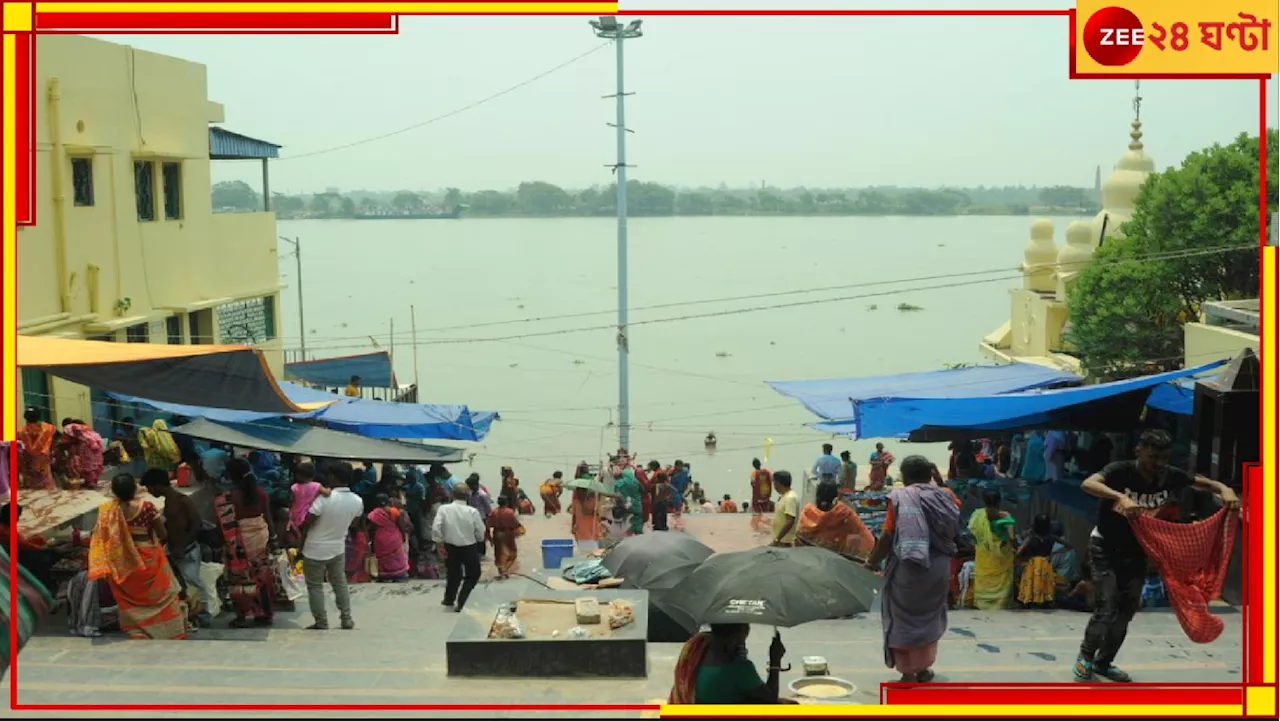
(1192, 558)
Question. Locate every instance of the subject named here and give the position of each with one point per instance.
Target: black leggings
(1117, 589)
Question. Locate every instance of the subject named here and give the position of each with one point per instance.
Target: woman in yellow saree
(993, 541)
(127, 550)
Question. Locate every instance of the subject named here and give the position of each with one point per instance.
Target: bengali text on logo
(1176, 37)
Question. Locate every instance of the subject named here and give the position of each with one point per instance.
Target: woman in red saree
(880, 462)
(550, 492)
(357, 567)
(832, 525)
(389, 541)
(248, 529)
(503, 528)
(127, 551)
(84, 448)
(35, 455)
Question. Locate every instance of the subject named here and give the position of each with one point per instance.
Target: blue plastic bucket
(555, 550)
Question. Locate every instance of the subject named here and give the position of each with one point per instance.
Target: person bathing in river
(727, 504)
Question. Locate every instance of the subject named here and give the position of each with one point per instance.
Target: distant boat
(454, 214)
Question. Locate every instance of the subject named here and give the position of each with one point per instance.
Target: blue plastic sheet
(829, 398)
(369, 418)
(893, 417)
(1177, 397)
(374, 370)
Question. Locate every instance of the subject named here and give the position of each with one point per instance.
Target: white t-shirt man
(327, 536)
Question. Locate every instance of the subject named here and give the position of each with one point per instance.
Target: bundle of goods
(620, 614)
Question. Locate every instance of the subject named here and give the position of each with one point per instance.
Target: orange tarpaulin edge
(46, 352)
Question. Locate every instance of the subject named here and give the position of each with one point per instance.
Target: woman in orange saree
(832, 525)
(35, 455)
(584, 521)
(503, 529)
(127, 550)
(880, 462)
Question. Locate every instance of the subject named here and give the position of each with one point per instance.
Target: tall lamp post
(302, 318)
(609, 28)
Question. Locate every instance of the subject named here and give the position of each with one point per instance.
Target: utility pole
(608, 27)
(302, 318)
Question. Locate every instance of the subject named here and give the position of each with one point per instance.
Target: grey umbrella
(662, 574)
(772, 586)
(634, 554)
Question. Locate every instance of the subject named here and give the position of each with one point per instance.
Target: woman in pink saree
(389, 541)
(303, 494)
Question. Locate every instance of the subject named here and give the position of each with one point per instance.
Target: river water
(557, 392)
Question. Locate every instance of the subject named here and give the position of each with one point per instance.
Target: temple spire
(1136, 132)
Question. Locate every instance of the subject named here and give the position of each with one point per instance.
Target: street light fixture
(609, 28)
(302, 319)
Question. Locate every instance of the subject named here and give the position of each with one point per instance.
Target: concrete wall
(116, 106)
(1206, 343)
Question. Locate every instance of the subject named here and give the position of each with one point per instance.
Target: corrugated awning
(226, 145)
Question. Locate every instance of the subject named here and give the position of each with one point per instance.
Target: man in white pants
(324, 546)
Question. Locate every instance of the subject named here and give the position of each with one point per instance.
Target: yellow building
(126, 245)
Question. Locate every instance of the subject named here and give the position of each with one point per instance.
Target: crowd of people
(925, 540)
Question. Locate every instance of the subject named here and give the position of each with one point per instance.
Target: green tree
(237, 195)
(452, 198)
(541, 198)
(406, 201)
(288, 204)
(1128, 306)
(695, 204)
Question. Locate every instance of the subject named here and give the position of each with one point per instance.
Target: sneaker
(1083, 669)
(1112, 673)
(318, 627)
(348, 624)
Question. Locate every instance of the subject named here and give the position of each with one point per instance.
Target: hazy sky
(836, 101)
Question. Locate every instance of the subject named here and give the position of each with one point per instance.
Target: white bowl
(799, 685)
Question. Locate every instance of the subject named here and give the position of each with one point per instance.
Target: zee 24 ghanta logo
(1114, 36)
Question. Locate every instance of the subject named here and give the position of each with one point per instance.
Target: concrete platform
(396, 655)
(470, 652)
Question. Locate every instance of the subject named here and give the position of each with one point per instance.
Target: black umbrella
(634, 554)
(772, 587)
(661, 574)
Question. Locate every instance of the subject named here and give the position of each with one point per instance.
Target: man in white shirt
(324, 546)
(458, 532)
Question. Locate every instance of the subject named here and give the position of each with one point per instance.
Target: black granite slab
(470, 652)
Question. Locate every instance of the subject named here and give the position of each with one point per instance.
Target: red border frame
(374, 23)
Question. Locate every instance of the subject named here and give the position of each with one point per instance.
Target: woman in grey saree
(916, 544)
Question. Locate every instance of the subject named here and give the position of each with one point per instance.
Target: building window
(171, 174)
(144, 181)
(82, 181)
(247, 322)
(137, 334)
(173, 329)
(35, 392)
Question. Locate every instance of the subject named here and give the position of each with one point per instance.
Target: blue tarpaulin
(1177, 397)
(829, 399)
(372, 419)
(374, 370)
(894, 417)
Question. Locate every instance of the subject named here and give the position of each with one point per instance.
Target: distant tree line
(540, 199)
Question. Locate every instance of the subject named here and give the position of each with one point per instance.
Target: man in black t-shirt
(1127, 489)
